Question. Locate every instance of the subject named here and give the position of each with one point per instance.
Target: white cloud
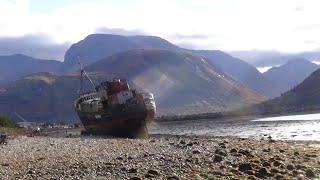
(227, 25)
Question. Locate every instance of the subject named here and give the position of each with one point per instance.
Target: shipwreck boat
(115, 109)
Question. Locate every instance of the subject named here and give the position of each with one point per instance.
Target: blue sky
(288, 26)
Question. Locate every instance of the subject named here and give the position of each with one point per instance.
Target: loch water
(304, 127)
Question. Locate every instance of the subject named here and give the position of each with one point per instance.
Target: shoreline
(157, 157)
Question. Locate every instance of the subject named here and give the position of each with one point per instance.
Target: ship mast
(81, 81)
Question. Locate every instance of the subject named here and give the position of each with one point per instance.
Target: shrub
(6, 121)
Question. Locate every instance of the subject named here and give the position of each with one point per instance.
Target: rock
(130, 158)
(182, 142)
(222, 145)
(220, 152)
(135, 178)
(282, 151)
(153, 172)
(310, 173)
(5, 164)
(190, 144)
(149, 176)
(31, 172)
(173, 177)
(277, 163)
(311, 155)
(300, 166)
(119, 158)
(196, 151)
(217, 158)
(296, 153)
(233, 151)
(251, 177)
(132, 170)
(263, 172)
(218, 173)
(244, 152)
(290, 167)
(250, 172)
(274, 171)
(245, 166)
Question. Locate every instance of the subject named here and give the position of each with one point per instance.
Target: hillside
(303, 97)
(41, 97)
(99, 46)
(16, 66)
(182, 84)
(292, 73)
(241, 72)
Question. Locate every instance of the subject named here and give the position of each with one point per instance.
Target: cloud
(119, 31)
(241, 25)
(191, 36)
(35, 45)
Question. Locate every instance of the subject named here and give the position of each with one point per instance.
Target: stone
(119, 158)
(31, 172)
(217, 158)
(173, 177)
(274, 171)
(132, 170)
(222, 145)
(310, 173)
(135, 178)
(220, 152)
(250, 172)
(282, 151)
(290, 167)
(263, 172)
(153, 172)
(233, 151)
(244, 152)
(149, 176)
(196, 151)
(277, 163)
(245, 166)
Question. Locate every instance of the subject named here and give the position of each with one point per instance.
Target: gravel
(157, 157)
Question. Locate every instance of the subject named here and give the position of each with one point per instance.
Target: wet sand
(157, 157)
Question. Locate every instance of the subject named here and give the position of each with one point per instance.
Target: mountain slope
(179, 80)
(305, 96)
(99, 46)
(41, 97)
(182, 84)
(241, 71)
(290, 74)
(17, 66)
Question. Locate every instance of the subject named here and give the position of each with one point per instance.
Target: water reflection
(300, 127)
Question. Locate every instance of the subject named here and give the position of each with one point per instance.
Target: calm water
(297, 127)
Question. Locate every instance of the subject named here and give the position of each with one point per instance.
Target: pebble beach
(157, 157)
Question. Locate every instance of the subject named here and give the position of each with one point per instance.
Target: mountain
(16, 66)
(241, 71)
(179, 80)
(41, 97)
(261, 58)
(182, 84)
(287, 76)
(303, 97)
(98, 46)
